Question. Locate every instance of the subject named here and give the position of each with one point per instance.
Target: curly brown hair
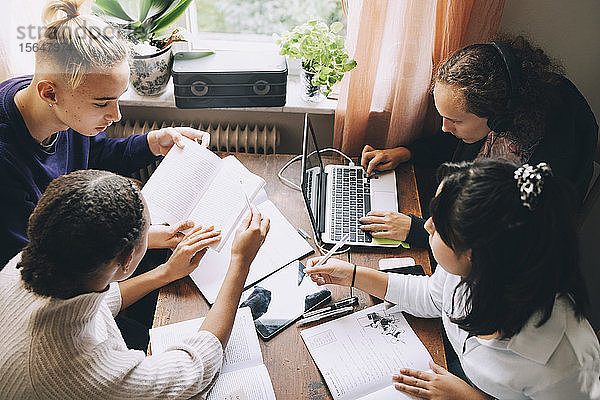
(480, 73)
(82, 222)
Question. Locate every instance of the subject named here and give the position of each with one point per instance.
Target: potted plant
(145, 24)
(323, 55)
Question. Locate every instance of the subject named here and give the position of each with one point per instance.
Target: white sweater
(72, 349)
(559, 360)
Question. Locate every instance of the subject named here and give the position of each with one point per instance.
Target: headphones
(502, 121)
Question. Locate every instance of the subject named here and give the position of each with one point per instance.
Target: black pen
(350, 301)
(340, 312)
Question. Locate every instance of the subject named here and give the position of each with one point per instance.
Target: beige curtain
(385, 100)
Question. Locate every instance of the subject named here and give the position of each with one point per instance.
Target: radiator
(230, 137)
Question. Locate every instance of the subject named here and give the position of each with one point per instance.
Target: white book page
(389, 393)
(281, 246)
(249, 384)
(179, 181)
(242, 351)
(359, 353)
(223, 205)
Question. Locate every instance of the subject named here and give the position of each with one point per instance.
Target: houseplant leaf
(113, 8)
(170, 16)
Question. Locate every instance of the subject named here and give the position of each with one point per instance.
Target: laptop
(337, 196)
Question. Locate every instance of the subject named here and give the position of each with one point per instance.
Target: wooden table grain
(292, 370)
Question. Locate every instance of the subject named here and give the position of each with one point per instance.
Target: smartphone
(390, 263)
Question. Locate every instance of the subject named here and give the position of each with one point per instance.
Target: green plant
(143, 20)
(321, 50)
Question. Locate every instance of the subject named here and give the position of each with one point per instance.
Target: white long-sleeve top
(73, 349)
(559, 360)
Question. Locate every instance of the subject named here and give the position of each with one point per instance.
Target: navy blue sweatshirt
(26, 168)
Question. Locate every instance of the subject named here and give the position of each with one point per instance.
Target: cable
(293, 185)
(284, 180)
(324, 251)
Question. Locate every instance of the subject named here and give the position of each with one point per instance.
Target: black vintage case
(229, 79)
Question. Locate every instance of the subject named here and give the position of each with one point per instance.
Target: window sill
(293, 103)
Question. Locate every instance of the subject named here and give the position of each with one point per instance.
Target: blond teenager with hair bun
(53, 123)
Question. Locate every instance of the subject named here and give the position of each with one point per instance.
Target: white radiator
(230, 137)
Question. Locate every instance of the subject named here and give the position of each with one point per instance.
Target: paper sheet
(358, 354)
(282, 246)
(175, 187)
(242, 351)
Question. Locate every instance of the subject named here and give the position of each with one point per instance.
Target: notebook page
(358, 354)
(249, 384)
(223, 205)
(179, 181)
(242, 351)
(281, 246)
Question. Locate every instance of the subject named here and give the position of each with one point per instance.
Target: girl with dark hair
(60, 295)
(507, 287)
(502, 99)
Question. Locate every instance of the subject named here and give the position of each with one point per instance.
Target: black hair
(83, 221)
(521, 259)
(480, 73)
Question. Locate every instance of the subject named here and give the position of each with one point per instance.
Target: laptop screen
(312, 173)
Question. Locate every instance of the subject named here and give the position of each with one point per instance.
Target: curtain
(5, 65)
(385, 101)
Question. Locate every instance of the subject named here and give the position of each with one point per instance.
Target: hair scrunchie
(530, 181)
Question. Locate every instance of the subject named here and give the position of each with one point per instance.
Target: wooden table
(292, 370)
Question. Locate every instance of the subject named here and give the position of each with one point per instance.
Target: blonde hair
(74, 44)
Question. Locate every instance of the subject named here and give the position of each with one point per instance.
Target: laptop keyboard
(351, 200)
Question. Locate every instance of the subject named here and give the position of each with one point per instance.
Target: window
(231, 24)
(263, 17)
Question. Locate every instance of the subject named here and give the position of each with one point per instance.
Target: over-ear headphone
(502, 121)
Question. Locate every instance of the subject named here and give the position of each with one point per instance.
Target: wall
(569, 31)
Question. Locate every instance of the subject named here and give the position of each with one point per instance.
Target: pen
(350, 301)
(333, 313)
(246, 197)
(303, 233)
(332, 251)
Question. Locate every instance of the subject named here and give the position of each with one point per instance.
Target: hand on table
(166, 236)
(249, 237)
(189, 252)
(334, 271)
(386, 224)
(383, 160)
(161, 140)
(437, 385)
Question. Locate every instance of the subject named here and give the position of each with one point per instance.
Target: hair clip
(530, 181)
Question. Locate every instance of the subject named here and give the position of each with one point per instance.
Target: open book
(194, 183)
(358, 354)
(281, 246)
(243, 375)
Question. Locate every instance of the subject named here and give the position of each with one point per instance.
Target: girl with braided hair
(503, 99)
(507, 287)
(59, 338)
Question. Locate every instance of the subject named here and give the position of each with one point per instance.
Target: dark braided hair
(83, 221)
(480, 73)
(521, 259)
